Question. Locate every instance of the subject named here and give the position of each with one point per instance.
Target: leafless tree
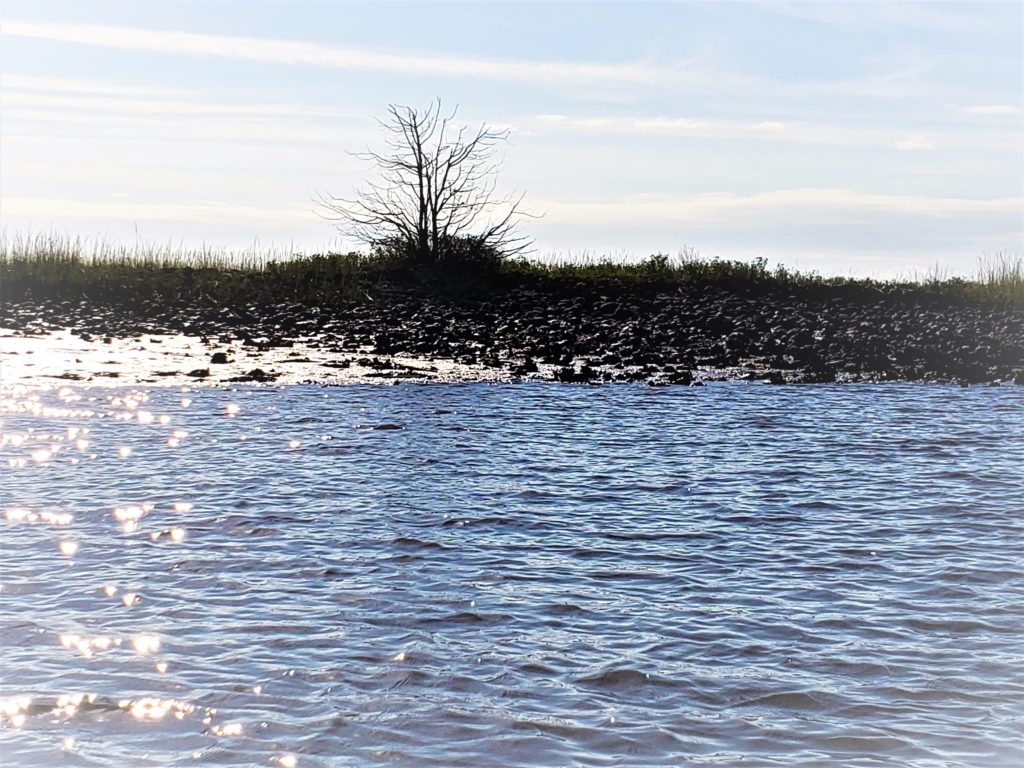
(435, 193)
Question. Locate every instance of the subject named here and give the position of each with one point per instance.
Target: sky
(865, 138)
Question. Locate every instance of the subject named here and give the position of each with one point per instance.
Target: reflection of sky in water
(478, 575)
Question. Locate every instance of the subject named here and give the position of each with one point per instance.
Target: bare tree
(435, 193)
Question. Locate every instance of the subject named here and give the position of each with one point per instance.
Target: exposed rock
(591, 332)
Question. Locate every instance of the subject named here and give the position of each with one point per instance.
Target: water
(474, 575)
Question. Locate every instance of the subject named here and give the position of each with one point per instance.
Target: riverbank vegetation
(62, 267)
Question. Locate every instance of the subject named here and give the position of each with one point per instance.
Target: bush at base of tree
(457, 252)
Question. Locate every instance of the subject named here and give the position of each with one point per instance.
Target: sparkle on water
(511, 575)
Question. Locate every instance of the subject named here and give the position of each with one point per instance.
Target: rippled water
(512, 575)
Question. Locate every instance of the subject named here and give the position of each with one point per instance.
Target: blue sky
(874, 138)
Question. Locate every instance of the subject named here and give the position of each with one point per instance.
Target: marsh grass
(1001, 276)
(67, 268)
(62, 267)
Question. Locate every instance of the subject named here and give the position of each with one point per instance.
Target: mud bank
(577, 333)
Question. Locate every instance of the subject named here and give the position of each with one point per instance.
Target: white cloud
(315, 54)
(140, 105)
(662, 123)
(74, 85)
(793, 204)
(861, 14)
(609, 81)
(993, 109)
(769, 125)
(767, 130)
(47, 208)
(182, 128)
(914, 143)
(74, 108)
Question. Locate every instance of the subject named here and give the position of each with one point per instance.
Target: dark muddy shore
(588, 332)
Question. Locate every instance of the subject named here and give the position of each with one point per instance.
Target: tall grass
(1001, 276)
(63, 267)
(48, 266)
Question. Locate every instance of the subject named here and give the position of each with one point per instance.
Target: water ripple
(512, 575)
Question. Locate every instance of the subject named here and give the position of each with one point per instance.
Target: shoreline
(569, 331)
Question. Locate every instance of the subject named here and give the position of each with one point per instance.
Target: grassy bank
(59, 268)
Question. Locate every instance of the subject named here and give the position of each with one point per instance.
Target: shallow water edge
(179, 359)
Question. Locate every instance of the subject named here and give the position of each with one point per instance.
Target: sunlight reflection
(68, 547)
(86, 646)
(19, 515)
(176, 534)
(183, 506)
(14, 709)
(68, 703)
(152, 708)
(146, 643)
(42, 455)
(176, 437)
(56, 518)
(130, 515)
(228, 729)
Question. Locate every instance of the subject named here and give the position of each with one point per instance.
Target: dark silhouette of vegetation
(434, 197)
(53, 267)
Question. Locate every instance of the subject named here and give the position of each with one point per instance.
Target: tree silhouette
(434, 197)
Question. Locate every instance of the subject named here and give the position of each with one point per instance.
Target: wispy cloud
(45, 208)
(945, 16)
(914, 144)
(993, 109)
(22, 82)
(746, 130)
(141, 105)
(776, 205)
(183, 128)
(151, 111)
(610, 81)
(315, 54)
